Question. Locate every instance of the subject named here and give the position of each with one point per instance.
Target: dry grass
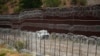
(8, 52)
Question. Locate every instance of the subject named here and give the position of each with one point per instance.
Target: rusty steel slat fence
(57, 44)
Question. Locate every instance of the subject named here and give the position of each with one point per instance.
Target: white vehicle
(42, 34)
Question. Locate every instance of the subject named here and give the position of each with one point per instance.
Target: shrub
(19, 45)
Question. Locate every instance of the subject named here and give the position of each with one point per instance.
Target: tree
(83, 2)
(52, 3)
(79, 2)
(27, 4)
(74, 2)
(3, 7)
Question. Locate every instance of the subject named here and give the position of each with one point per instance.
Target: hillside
(8, 6)
(12, 6)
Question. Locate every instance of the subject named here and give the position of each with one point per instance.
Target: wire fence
(59, 12)
(44, 43)
(53, 44)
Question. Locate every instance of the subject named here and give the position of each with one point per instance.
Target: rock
(2, 44)
(11, 47)
(1, 41)
(25, 51)
(38, 54)
(43, 34)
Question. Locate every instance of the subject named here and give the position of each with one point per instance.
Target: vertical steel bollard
(6, 31)
(80, 46)
(88, 48)
(4, 35)
(67, 46)
(59, 47)
(44, 46)
(31, 39)
(23, 38)
(96, 46)
(8, 35)
(50, 44)
(55, 46)
(28, 40)
(40, 45)
(14, 36)
(36, 40)
(72, 45)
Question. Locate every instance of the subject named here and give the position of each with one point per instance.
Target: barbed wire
(59, 12)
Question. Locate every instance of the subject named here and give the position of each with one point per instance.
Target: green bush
(19, 45)
(52, 3)
(28, 4)
(3, 54)
(79, 2)
(83, 2)
(54, 36)
(17, 9)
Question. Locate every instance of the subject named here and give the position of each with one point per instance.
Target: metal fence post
(96, 46)
(67, 47)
